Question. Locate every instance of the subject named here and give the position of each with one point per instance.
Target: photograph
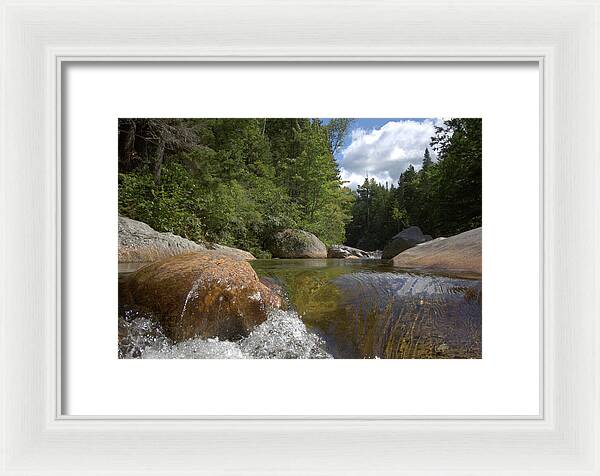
(300, 238)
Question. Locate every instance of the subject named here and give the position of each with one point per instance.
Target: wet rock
(459, 254)
(292, 243)
(442, 348)
(273, 285)
(343, 251)
(404, 240)
(202, 294)
(140, 243)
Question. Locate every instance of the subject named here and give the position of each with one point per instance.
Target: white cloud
(386, 152)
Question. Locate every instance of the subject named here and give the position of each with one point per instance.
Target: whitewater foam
(282, 336)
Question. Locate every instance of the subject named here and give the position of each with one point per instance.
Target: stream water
(340, 308)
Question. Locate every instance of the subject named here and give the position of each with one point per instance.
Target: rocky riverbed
(192, 301)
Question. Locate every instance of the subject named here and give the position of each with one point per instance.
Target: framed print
(335, 238)
(268, 318)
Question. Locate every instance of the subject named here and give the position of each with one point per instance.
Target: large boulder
(140, 243)
(404, 240)
(458, 254)
(292, 243)
(201, 294)
(233, 253)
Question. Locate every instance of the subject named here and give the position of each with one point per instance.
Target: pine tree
(427, 159)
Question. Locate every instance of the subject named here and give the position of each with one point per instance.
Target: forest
(238, 181)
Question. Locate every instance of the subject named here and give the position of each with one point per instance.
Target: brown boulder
(458, 254)
(201, 294)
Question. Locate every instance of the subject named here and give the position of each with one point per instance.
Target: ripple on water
(393, 315)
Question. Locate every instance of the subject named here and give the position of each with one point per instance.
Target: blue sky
(383, 148)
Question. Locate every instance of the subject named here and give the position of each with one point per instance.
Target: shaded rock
(140, 243)
(404, 240)
(292, 243)
(202, 294)
(362, 243)
(459, 254)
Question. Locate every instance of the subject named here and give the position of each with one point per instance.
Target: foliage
(337, 129)
(238, 181)
(171, 206)
(233, 181)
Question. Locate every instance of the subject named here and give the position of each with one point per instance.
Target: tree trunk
(160, 154)
(126, 144)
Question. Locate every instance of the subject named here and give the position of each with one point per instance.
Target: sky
(383, 148)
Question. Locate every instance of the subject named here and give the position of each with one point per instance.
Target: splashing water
(193, 293)
(282, 336)
(197, 348)
(138, 331)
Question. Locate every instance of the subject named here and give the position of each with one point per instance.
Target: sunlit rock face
(140, 243)
(404, 240)
(458, 254)
(200, 294)
(344, 252)
(292, 243)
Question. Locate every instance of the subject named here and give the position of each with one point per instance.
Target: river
(337, 308)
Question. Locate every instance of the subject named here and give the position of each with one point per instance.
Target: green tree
(237, 181)
(337, 130)
(427, 159)
(233, 181)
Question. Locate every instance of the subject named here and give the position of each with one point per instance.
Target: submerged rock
(140, 243)
(404, 240)
(201, 294)
(459, 253)
(292, 243)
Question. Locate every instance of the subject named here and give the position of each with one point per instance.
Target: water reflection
(367, 309)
